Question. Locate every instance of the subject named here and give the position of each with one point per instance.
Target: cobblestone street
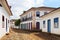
(20, 35)
(16, 34)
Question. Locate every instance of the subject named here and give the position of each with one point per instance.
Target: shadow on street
(46, 36)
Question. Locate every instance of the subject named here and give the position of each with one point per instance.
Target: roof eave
(6, 6)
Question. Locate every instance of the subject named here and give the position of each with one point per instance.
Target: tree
(17, 22)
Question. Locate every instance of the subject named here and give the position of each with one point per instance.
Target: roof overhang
(50, 12)
(37, 8)
(6, 6)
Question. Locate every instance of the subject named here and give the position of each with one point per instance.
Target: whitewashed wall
(51, 16)
(38, 19)
(5, 14)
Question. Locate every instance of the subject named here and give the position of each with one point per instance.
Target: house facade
(50, 22)
(5, 14)
(30, 19)
(12, 23)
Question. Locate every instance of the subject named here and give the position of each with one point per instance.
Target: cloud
(39, 3)
(18, 6)
(16, 11)
(28, 3)
(25, 3)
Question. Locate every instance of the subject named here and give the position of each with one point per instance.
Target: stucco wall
(51, 16)
(34, 17)
(5, 14)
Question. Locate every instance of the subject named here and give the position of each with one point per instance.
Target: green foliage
(17, 22)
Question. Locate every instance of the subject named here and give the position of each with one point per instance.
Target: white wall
(38, 19)
(51, 16)
(5, 14)
(41, 13)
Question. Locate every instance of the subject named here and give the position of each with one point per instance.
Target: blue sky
(18, 6)
(52, 3)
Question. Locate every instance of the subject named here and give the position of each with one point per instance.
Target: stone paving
(20, 35)
(17, 34)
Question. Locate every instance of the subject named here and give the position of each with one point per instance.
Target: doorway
(6, 25)
(38, 25)
(49, 26)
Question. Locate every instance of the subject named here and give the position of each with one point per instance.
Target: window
(21, 26)
(43, 24)
(56, 23)
(2, 21)
(3, 18)
(8, 21)
(38, 14)
(31, 25)
(45, 13)
(0, 5)
(30, 14)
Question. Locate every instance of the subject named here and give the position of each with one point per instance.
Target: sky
(18, 6)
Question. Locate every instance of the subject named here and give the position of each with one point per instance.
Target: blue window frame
(56, 23)
(43, 24)
(38, 14)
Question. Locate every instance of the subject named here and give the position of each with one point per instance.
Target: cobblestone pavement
(20, 35)
(16, 34)
(48, 36)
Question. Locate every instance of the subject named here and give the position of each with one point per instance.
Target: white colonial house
(5, 14)
(30, 19)
(50, 22)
